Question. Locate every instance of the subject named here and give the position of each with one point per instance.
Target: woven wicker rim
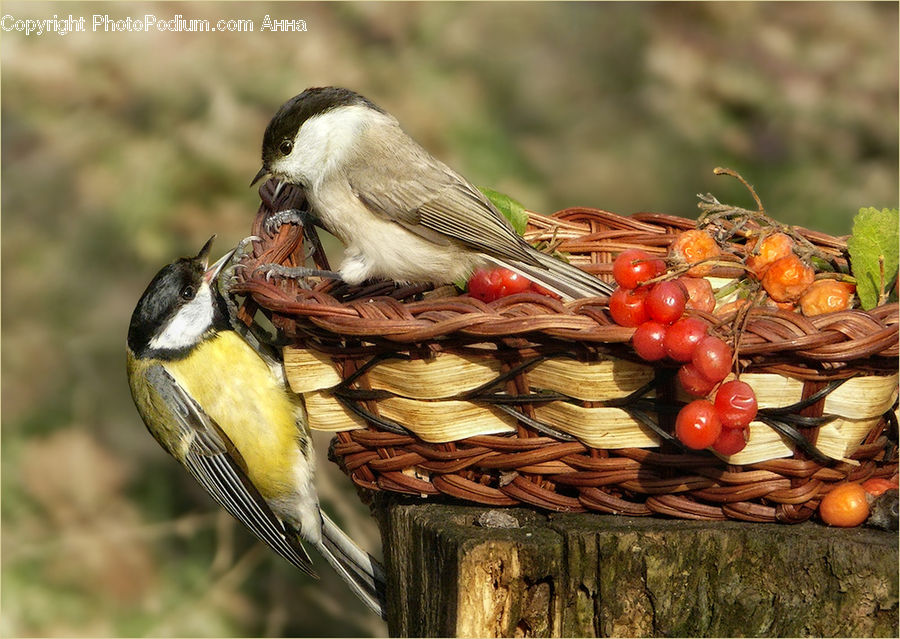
(822, 347)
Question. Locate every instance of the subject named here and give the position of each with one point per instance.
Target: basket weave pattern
(355, 329)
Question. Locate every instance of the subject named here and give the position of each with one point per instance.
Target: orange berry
(877, 485)
(787, 278)
(845, 506)
(772, 248)
(700, 293)
(693, 246)
(827, 296)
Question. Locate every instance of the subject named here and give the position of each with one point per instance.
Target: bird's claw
(242, 250)
(309, 252)
(298, 273)
(287, 216)
(227, 277)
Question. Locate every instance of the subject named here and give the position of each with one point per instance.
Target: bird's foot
(298, 273)
(227, 278)
(244, 248)
(287, 216)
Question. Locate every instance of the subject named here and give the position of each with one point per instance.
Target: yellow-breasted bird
(221, 408)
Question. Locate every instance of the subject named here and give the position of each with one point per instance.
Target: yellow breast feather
(236, 388)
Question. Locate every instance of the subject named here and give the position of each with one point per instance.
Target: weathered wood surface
(598, 576)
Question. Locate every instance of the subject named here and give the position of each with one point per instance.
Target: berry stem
(713, 210)
(721, 171)
(840, 277)
(674, 272)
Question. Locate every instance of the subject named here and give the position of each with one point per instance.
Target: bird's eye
(188, 292)
(286, 147)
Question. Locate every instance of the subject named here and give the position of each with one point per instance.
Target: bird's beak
(203, 255)
(263, 172)
(213, 270)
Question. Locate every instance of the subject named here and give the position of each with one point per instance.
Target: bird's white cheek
(189, 324)
(323, 143)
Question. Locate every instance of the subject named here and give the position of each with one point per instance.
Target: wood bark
(471, 571)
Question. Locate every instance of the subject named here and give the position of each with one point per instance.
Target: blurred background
(122, 151)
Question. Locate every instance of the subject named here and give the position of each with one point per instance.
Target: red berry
(511, 282)
(693, 382)
(627, 306)
(712, 358)
(666, 301)
(648, 341)
(730, 441)
(491, 284)
(736, 404)
(481, 287)
(682, 338)
(697, 425)
(537, 288)
(634, 267)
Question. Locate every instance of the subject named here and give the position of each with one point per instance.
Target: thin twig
(713, 212)
(720, 171)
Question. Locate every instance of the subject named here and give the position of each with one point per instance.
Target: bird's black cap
(163, 297)
(293, 113)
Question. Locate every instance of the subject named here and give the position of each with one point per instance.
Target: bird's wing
(433, 201)
(214, 462)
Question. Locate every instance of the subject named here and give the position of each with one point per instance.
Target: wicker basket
(529, 400)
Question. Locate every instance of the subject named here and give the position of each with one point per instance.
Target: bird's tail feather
(362, 572)
(560, 277)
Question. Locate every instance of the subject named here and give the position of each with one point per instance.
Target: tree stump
(470, 571)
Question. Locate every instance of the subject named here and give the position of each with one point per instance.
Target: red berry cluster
(489, 284)
(662, 331)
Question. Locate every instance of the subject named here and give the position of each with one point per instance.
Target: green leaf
(512, 210)
(876, 235)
